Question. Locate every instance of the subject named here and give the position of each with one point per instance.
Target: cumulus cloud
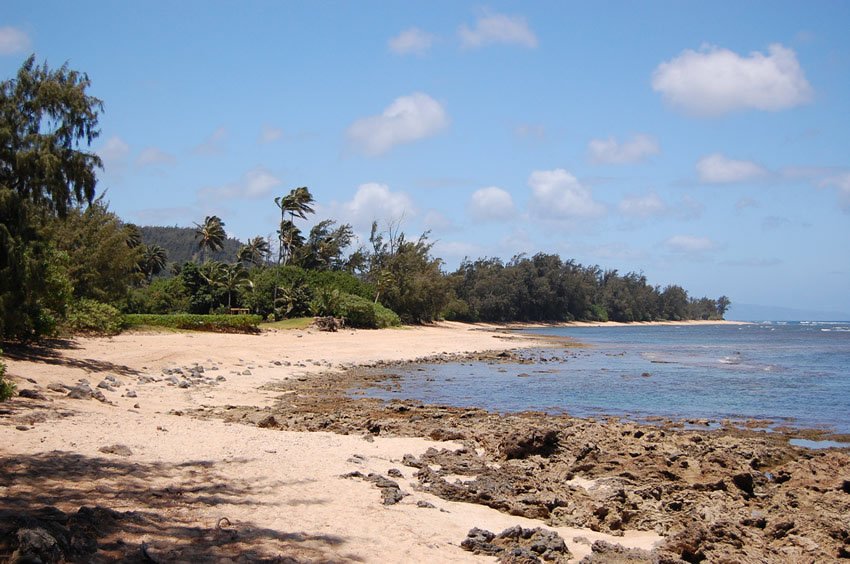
(715, 81)
(611, 151)
(842, 184)
(411, 41)
(649, 205)
(153, 156)
(689, 244)
(491, 203)
(270, 134)
(492, 29)
(212, 145)
(256, 183)
(13, 40)
(407, 119)
(114, 153)
(557, 194)
(718, 169)
(375, 202)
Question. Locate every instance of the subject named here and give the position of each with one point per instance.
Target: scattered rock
(268, 422)
(410, 460)
(425, 504)
(131, 393)
(57, 387)
(516, 545)
(116, 449)
(81, 391)
(394, 473)
(32, 394)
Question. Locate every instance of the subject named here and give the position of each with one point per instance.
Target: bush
(197, 322)
(7, 389)
(458, 310)
(386, 317)
(90, 316)
(363, 313)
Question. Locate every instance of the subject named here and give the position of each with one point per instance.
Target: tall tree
(298, 203)
(210, 235)
(153, 260)
(254, 252)
(47, 121)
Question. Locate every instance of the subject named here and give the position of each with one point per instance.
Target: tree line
(65, 256)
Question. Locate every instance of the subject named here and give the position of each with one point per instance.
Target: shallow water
(795, 374)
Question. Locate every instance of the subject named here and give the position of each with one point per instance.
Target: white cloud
(153, 156)
(610, 151)
(411, 41)
(407, 119)
(842, 184)
(689, 244)
(718, 169)
(643, 207)
(438, 222)
(557, 194)
(497, 28)
(270, 134)
(715, 81)
(376, 202)
(13, 40)
(214, 144)
(114, 153)
(256, 183)
(491, 203)
(456, 249)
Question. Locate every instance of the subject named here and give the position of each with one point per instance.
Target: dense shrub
(197, 322)
(90, 316)
(162, 295)
(386, 317)
(7, 389)
(363, 313)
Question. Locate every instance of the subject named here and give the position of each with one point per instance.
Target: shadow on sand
(105, 509)
(51, 351)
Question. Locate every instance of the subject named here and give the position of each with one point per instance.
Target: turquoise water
(794, 374)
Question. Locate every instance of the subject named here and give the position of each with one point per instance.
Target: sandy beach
(184, 444)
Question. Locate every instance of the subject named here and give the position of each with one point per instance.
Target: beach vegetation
(221, 323)
(68, 262)
(7, 388)
(92, 317)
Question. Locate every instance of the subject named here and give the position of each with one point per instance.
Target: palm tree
(211, 235)
(227, 277)
(153, 260)
(298, 203)
(254, 251)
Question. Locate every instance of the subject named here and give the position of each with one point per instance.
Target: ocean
(791, 373)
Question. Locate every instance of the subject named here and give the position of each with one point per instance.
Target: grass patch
(194, 322)
(294, 323)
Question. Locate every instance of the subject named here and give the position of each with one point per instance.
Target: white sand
(282, 491)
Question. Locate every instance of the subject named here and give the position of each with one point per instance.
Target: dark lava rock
(268, 422)
(390, 491)
(32, 394)
(57, 387)
(533, 441)
(518, 545)
(745, 483)
(395, 473)
(604, 552)
(410, 460)
(80, 391)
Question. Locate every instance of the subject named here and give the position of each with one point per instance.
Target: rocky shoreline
(717, 495)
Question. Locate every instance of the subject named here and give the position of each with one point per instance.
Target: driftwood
(329, 323)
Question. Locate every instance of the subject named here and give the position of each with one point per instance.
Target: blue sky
(705, 144)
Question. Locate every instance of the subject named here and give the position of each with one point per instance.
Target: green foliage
(327, 302)
(92, 317)
(101, 263)
(7, 389)
(210, 235)
(298, 203)
(194, 322)
(457, 310)
(46, 117)
(162, 295)
(385, 317)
